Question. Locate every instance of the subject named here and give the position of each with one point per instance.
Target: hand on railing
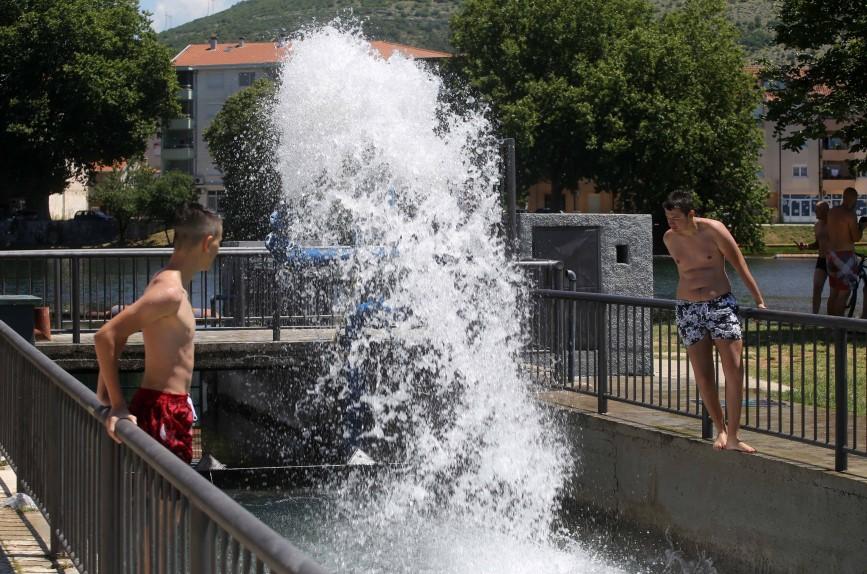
(115, 415)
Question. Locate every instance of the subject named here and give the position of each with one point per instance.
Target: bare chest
(699, 251)
(176, 330)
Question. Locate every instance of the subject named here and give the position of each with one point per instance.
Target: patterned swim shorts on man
(717, 318)
(166, 417)
(842, 270)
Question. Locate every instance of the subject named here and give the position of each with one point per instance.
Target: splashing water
(372, 157)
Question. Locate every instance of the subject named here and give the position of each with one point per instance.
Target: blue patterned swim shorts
(717, 317)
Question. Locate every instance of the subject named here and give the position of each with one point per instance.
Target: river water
(786, 283)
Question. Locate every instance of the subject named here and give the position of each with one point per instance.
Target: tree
(243, 142)
(606, 90)
(82, 82)
(828, 80)
(121, 197)
(163, 195)
(138, 191)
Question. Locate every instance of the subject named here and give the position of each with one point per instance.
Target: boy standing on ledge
(161, 406)
(706, 311)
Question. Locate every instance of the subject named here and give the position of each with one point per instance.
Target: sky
(171, 13)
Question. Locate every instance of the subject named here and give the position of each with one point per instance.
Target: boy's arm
(110, 340)
(855, 230)
(730, 250)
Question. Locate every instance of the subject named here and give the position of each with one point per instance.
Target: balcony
(177, 153)
(836, 170)
(181, 124)
(185, 94)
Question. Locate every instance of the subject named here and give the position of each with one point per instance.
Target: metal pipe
(512, 194)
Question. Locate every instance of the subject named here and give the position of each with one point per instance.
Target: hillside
(422, 23)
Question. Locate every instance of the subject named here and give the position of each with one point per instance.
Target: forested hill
(422, 23)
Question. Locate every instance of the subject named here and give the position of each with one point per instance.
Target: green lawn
(802, 359)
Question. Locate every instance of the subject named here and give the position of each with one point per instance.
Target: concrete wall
(634, 278)
(750, 513)
(635, 231)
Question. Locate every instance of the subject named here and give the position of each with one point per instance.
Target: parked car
(25, 215)
(93, 215)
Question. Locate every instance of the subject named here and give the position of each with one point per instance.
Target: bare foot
(720, 442)
(740, 446)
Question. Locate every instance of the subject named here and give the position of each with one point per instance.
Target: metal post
(76, 300)
(511, 193)
(200, 554)
(841, 406)
(109, 504)
(570, 329)
(275, 325)
(58, 293)
(706, 423)
(602, 353)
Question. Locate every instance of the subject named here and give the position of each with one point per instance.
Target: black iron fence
(244, 289)
(805, 375)
(120, 508)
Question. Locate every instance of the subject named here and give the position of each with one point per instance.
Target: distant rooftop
(257, 53)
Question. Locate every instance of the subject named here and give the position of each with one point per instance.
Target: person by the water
(844, 231)
(706, 311)
(820, 233)
(161, 406)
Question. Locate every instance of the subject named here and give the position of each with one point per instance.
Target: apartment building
(208, 75)
(820, 170)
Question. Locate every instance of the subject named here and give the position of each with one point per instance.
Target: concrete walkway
(797, 453)
(24, 537)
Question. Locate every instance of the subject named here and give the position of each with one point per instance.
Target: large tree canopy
(243, 142)
(828, 80)
(82, 82)
(606, 90)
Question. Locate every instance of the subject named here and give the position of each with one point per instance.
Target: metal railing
(120, 508)
(244, 289)
(805, 375)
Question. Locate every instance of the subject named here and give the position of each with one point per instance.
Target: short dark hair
(681, 200)
(193, 223)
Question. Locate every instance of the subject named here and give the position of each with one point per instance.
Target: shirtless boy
(162, 405)
(820, 231)
(707, 311)
(843, 232)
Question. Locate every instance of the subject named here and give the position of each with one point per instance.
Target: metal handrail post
(76, 300)
(602, 353)
(573, 281)
(200, 548)
(841, 461)
(58, 293)
(706, 423)
(108, 502)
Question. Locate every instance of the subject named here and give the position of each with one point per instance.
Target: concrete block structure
(609, 253)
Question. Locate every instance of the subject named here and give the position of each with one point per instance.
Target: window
(246, 79)
(213, 202)
(799, 171)
(796, 209)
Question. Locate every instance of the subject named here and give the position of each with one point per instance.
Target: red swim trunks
(166, 417)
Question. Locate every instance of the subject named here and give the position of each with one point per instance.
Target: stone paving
(24, 537)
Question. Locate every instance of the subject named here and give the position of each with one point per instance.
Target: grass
(802, 358)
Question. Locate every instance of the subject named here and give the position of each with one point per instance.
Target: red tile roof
(253, 53)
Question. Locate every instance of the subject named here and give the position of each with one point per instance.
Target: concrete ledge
(216, 350)
(751, 513)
